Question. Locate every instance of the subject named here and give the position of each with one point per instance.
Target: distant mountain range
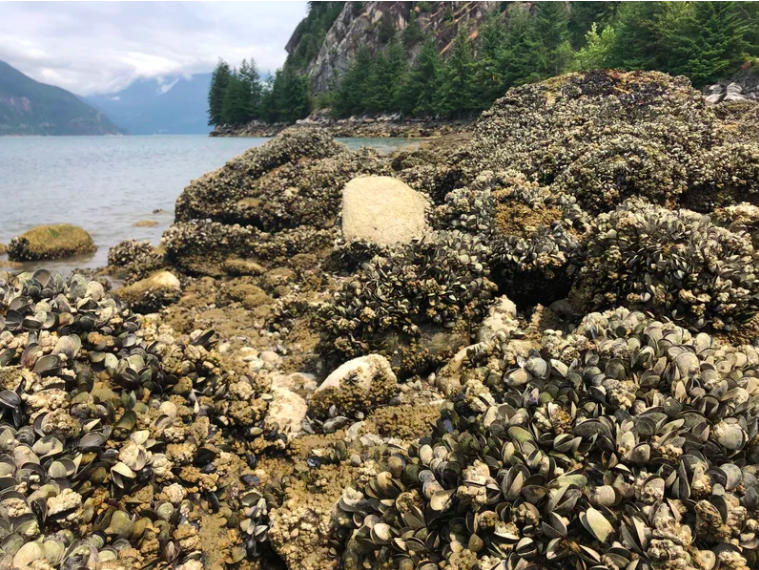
(175, 105)
(28, 107)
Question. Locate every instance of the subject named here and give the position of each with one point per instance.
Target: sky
(101, 47)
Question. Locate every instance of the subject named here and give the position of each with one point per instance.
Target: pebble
(355, 459)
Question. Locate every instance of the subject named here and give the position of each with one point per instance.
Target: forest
(519, 43)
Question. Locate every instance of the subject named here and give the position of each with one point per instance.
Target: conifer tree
(384, 81)
(351, 96)
(549, 39)
(219, 82)
(487, 69)
(720, 46)
(456, 95)
(248, 73)
(234, 110)
(421, 95)
(637, 43)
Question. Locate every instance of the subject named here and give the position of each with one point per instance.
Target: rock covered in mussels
(633, 443)
(677, 264)
(121, 445)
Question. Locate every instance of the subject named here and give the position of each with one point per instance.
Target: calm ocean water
(107, 184)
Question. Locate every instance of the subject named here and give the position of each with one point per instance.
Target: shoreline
(363, 127)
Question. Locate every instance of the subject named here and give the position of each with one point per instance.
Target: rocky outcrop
(358, 27)
(383, 211)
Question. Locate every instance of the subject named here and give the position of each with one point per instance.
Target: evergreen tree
(351, 96)
(596, 54)
(249, 75)
(487, 70)
(297, 96)
(219, 82)
(384, 81)
(637, 43)
(549, 39)
(421, 89)
(518, 56)
(412, 34)
(718, 42)
(456, 95)
(234, 110)
(582, 16)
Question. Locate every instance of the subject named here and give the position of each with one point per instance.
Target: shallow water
(107, 184)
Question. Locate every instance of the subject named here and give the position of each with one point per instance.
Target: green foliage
(412, 33)
(457, 82)
(386, 30)
(419, 94)
(582, 16)
(219, 81)
(235, 109)
(596, 54)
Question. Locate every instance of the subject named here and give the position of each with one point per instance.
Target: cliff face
(369, 23)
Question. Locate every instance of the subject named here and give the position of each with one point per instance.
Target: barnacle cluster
(628, 443)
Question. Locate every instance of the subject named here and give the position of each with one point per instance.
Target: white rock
(382, 210)
(287, 409)
(502, 316)
(362, 370)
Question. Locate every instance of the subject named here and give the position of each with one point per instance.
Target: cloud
(101, 47)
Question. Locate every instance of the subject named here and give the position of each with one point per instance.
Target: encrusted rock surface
(561, 373)
(50, 242)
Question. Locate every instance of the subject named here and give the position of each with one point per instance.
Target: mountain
(28, 107)
(176, 105)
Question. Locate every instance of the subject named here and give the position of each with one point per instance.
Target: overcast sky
(101, 47)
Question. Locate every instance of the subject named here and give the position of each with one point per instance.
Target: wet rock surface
(50, 242)
(561, 373)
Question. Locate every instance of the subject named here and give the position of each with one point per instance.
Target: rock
(287, 409)
(152, 293)
(366, 381)
(145, 224)
(734, 92)
(243, 267)
(360, 371)
(502, 317)
(270, 356)
(50, 242)
(382, 210)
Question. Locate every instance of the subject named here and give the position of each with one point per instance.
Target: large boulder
(50, 242)
(382, 210)
(152, 293)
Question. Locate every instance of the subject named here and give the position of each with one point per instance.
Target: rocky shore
(533, 346)
(355, 127)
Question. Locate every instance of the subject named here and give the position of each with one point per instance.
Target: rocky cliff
(369, 24)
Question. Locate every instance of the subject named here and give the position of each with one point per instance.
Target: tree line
(520, 43)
